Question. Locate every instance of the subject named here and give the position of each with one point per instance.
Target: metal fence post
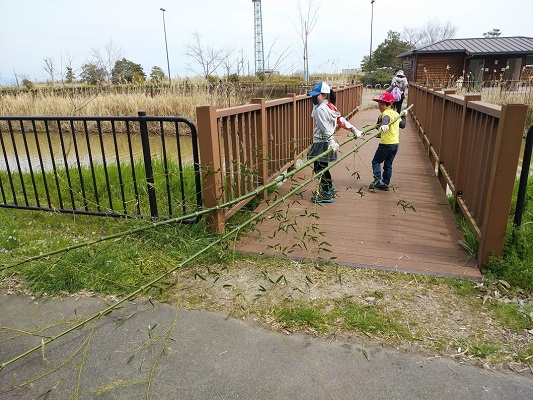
(524, 175)
(150, 184)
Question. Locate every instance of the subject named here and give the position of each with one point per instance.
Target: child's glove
(332, 144)
(356, 132)
(403, 114)
(384, 128)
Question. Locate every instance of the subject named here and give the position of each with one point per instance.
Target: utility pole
(371, 22)
(166, 47)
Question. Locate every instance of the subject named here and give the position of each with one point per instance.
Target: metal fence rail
(89, 165)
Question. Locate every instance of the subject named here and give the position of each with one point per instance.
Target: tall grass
(100, 189)
(516, 264)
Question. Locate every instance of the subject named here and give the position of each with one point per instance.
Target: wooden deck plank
(371, 230)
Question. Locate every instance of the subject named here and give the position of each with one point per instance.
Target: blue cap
(320, 87)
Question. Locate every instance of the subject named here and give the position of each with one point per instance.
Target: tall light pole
(371, 22)
(166, 45)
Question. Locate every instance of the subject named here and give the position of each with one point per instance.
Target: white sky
(34, 30)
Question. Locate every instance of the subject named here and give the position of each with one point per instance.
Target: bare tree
(275, 60)
(308, 20)
(49, 68)
(67, 72)
(207, 57)
(107, 58)
(227, 63)
(430, 33)
(413, 36)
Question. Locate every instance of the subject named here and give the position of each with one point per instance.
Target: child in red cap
(390, 141)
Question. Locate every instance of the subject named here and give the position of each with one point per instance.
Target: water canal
(26, 149)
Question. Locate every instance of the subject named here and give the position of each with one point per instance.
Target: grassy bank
(439, 316)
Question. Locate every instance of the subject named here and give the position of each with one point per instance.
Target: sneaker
(331, 192)
(382, 186)
(322, 197)
(374, 184)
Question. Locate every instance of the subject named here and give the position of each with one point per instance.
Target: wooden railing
(244, 147)
(475, 149)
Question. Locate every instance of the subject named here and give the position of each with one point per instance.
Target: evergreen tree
(385, 54)
(92, 74)
(493, 33)
(69, 76)
(125, 71)
(157, 75)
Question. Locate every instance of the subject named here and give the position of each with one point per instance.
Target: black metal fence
(138, 166)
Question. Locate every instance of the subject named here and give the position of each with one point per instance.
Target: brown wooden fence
(475, 148)
(244, 147)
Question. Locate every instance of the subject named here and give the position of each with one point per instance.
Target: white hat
(400, 73)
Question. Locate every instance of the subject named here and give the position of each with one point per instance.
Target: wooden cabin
(454, 62)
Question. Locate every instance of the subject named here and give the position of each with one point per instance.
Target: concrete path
(181, 354)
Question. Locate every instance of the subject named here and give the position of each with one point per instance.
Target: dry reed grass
(171, 104)
(177, 103)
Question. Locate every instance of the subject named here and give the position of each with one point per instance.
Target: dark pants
(398, 104)
(385, 154)
(326, 183)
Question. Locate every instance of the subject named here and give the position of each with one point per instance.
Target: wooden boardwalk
(373, 230)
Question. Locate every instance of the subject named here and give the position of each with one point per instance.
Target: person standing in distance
(399, 81)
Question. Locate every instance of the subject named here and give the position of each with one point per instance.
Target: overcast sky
(62, 30)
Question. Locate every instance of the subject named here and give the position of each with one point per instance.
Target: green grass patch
(484, 350)
(116, 266)
(369, 319)
(513, 316)
(345, 314)
(119, 188)
(301, 316)
(515, 266)
(526, 356)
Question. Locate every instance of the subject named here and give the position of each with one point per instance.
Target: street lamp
(166, 46)
(371, 22)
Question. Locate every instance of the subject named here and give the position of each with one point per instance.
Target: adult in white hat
(398, 88)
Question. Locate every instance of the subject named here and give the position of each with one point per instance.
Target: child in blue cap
(325, 124)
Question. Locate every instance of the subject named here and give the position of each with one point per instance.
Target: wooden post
(502, 179)
(262, 143)
(293, 128)
(213, 190)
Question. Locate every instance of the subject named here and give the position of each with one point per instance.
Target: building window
(529, 60)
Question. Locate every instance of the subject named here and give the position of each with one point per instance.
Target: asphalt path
(159, 351)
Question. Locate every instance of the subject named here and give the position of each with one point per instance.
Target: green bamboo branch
(85, 353)
(216, 242)
(23, 332)
(221, 239)
(160, 354)
(120, 235)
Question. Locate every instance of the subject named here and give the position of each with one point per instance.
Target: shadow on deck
(372, 230)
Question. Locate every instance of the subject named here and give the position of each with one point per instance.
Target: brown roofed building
(454, 61)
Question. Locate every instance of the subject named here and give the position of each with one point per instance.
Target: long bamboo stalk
(195, 214)
(212, 244)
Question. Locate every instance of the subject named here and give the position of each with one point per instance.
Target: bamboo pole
(195, 214)
(212, 244)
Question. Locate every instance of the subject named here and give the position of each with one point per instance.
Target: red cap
(386, 97)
